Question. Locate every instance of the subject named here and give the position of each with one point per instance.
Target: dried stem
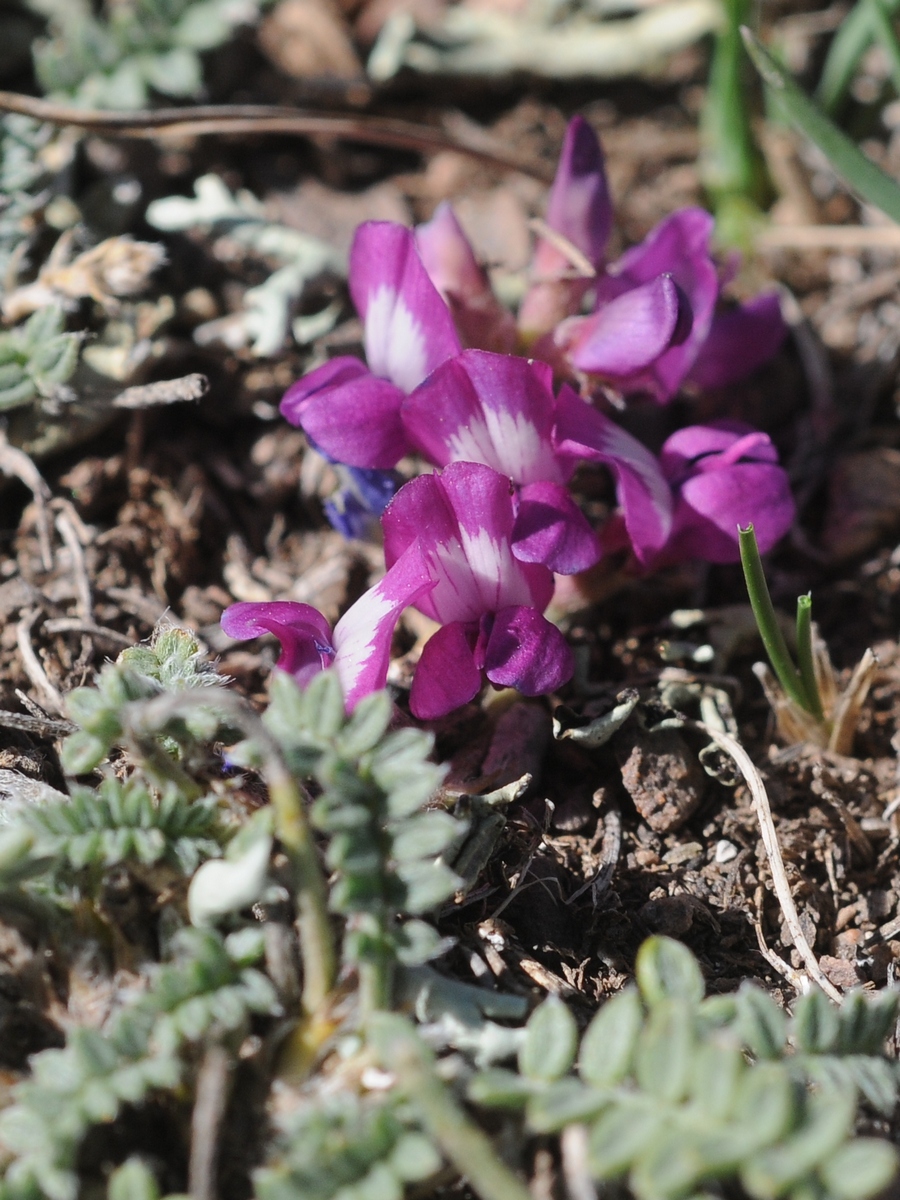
(776, 863)
(33, 669)
(404, 1053)
(263, 118)
(145, 718)
(16, 464)
(213, 1086)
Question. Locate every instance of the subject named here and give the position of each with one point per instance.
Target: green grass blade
(883, 27)
(849, 44)
(859, 173)
(767, 620)
(731, 166)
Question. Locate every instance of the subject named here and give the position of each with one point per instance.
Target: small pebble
(725, 851)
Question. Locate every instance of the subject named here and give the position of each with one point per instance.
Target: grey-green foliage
(206, 993)
(347, 1148)
(267, 308)
(136, 46)
(173, 661)
(385, 851)
(36, 359)
(23, 176)
(73, 842)
(679, 1093)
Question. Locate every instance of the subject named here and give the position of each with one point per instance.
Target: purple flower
(669, 275)
(740, 340)
(408, 332)
(654, 322)
(450, 261)
(500, 411)
(488, 602)
(721, 475)
(580, 212)
(359, 648)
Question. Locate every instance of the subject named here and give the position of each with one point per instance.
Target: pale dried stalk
(33, 669)
(16, 464)
(754, 782)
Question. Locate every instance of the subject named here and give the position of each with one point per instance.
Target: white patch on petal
(358, 635)
(509, 443)
(395, 340)
(497, 574)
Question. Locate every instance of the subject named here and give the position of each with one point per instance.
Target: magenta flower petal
(678, 246)
(551, 529)
(482, 501)
(305, 635)
(362, 637)
(642, 489)
(357, 422)
(464, 518)
(713, 504)
(525, 651)
(446, 674)
(408, 327)
(628, 333)
(486, 408)
(448, 258)
(579, 206)
(579, 210)
(710, 447)
(322, 381)
(740, 340)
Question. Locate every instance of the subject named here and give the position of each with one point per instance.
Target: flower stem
(767, 622)
(143, 719)
(403, 1052)
(316, 939)
(805, 659)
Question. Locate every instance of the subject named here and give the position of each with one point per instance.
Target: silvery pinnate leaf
(666, 970)
(760, 1022)
(620, 1136)
(427, 885)
(665, 1051)
(866, 1021)
(829, 1116)
(860, 1168)
(553, 1107)
(424, 835)
(551, 1042)
(608, 1045)
(816, 1025)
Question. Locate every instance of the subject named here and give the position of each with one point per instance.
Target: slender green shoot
(858, 172)
(732, 168)
(767, 622)
(884, 33)
(805, 657)
(849, 44)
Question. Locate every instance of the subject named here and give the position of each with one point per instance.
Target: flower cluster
(506, 408)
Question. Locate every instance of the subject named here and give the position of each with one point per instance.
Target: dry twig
(782, 887)
(33, 668)
(206, 1123)
(203, 120)
(16, 464)
(165, 391)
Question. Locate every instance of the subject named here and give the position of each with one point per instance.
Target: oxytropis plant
(666, 1093)
(507, 409)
